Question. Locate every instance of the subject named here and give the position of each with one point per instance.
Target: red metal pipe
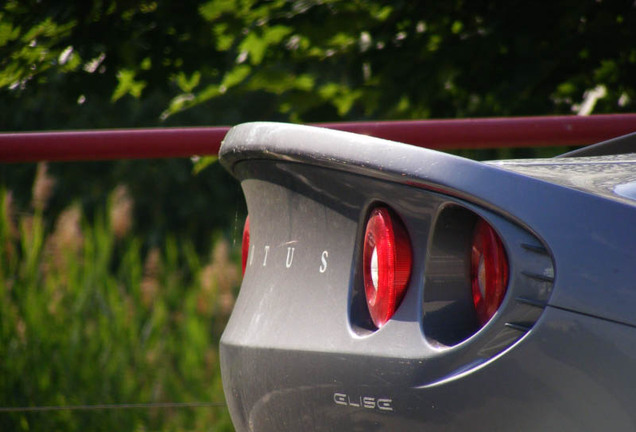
(482, 133)
(436, 134)
(110, 144)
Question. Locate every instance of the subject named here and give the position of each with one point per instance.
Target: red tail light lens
(386, 264)
(489, 271)
(245, 246)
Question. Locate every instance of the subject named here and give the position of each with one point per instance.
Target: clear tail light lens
(386, 264)
(245, 246)
(489, 271)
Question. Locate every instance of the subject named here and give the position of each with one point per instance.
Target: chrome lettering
(290, 257)
(323, 259)
(368, 402)
(365, 402)
(385, 404)
(266, 252)
(352, 403)
(340, 398)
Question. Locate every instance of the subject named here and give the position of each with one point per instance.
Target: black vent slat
(518, 327)
(531, 302)
(535, 248)
(540, 277)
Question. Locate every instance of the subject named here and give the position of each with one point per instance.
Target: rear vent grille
(448, 313)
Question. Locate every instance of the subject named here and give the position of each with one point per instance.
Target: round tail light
(386, 264)
(245, 246)
(489, 271)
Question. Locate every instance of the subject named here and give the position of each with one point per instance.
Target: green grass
(90, 315)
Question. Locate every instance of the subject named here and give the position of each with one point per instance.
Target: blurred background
(116, 278)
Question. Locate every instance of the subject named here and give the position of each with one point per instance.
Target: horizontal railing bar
(110, 144)
(451, 134)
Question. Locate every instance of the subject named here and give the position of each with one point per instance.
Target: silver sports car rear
(393, 288)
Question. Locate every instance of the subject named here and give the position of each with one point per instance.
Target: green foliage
(203, 163)
(88, 315)
(168, 198)
(114, 63)
(126, 84)
(422, 59)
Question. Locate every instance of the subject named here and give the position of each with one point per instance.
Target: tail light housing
(386, 264)
(489, 271)
(245, 245)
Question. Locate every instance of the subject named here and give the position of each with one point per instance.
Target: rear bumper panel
(559, 377)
